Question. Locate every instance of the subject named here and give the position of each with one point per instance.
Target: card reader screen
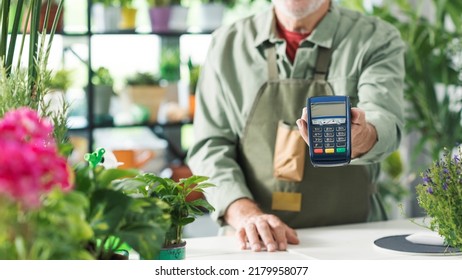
(328, 109)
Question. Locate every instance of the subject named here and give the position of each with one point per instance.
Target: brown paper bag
(289, 154)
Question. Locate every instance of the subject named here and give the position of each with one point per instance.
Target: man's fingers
(292, 237)
(357, 116)
(266, 235)
(253, 237)
(302, 125)
(242, 237)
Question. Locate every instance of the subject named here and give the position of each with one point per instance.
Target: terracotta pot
(192, 106)
(133, 158)
(51, 18)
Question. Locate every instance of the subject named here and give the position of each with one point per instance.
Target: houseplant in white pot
(105, 15)
(210, 13)
(182, 210)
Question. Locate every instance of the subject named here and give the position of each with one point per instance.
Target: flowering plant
(441, 196)
(30, 163)
(40, 219)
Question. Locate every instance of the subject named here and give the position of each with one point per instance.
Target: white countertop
(346, 242)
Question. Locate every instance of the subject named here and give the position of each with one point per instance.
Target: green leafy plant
(118, 220)
(56, 230)
(441, 197)
(60, 80)
(143, 78)
(170, 64)
(107, 3)
(390, 187)
(162, 3)
(126, 3)
(227, 3)
(194, 72)
(432, 73)
(182, 211)
(40, 216)
(102, 76)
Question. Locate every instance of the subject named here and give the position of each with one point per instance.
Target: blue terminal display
(329, 130)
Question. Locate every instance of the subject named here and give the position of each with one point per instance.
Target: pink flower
(29, 161)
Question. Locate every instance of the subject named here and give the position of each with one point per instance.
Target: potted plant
(182, 211)
(103, 82)
(178, 16)
(105, 15)
(210, 13)
(120, 222)
(167, 15)
(170, 64)
(128, 15)
(194, 72)
(40, 215)
(48, 10)
(58, 84)
(440, 195)
(50, 7)
(144, 89)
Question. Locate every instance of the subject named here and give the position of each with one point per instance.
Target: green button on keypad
(341, 150)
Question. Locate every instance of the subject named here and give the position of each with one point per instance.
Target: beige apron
(326, 195)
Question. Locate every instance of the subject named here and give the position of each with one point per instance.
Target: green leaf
(108, 207)
(106, 176)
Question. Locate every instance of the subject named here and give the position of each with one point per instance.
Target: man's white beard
(298, 9)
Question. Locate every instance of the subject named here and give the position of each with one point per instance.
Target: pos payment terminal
(329, 130)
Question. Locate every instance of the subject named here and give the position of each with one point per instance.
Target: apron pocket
(289, 154)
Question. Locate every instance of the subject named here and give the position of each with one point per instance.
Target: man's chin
(298, 12)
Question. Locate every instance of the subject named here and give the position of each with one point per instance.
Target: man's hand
(257, 228)
(363, 134)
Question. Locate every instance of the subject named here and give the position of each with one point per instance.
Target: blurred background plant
(143, 78)
(102, 77)
(432, 32)
(60, 80)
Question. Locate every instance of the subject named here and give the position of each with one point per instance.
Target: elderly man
(253, 87)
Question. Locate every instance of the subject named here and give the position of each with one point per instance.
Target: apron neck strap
(322, 63)
(272, 64)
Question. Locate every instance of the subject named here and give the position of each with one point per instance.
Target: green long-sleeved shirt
(367, 65)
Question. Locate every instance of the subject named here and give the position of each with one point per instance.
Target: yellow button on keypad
(329, 151)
